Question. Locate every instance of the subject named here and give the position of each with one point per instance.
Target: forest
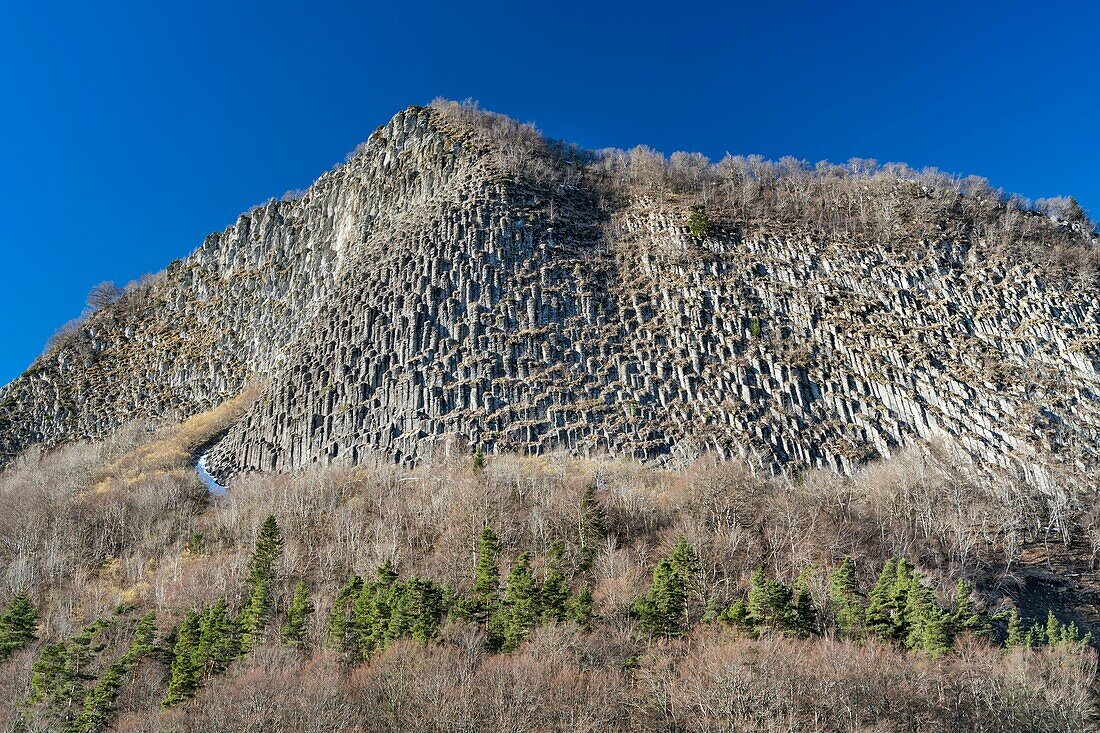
(526, 593)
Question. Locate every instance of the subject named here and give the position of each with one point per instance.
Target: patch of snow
(211, 485)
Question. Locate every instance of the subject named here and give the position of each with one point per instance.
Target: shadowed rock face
(416, 296)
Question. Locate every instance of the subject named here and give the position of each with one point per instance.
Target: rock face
(418, 294)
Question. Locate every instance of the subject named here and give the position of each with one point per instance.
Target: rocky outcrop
(418, 295)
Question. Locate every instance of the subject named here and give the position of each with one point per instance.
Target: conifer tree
(1018, 634)
(50, 678)
(261, 578)
(185, 675)
(428, 605)
(297, 617)
(340, 616)
(99, 703)
(736, 614)
(18, 625)
(936, 638)
(519, 611)
(770, 604)
(486, 577)
(882, 611)
(661, 610)
(845, 600)
(662, 607)
(219, 643)
(803, 615)
(371, 613)
(756, 604)
(966, 617)
(900, 595)
(579, 608)
(555, 591)
(1059, 634)
(920, 610)
(591, 525)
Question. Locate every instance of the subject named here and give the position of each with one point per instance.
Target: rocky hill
(462, 282)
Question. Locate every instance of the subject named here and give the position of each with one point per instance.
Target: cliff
(442, 290)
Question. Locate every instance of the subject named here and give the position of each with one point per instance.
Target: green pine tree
(486, 593)
(882, 610)
(297, 617)
(966, 618)
(519, 611)
(372, 613)
(185, 674)
(802, 614)
(844, 599)
(478, 463)
(736, 614)
(50, 677)
(1018, 635)
(698, 221)
(429, 604)
(920, 608)
(663, 608)
(219, 642)
(555, 590)
(936, 639)
(769, 604)
(578, 609)
(340, 616)
(261, 579)
(99, 703)
(591, 526)
(18, 625)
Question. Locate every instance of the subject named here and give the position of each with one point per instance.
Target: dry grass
(175, 447)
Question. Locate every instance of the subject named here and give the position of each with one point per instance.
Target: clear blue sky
(129, 130)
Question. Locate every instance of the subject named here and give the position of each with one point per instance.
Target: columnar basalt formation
(418, 294)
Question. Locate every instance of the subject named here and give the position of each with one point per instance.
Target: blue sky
(130, 130)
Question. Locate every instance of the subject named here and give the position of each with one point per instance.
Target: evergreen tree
(756, 605)
(520, 611)
(770, 604)
(99, 703)
(736, 614)
(803, 615)
(219, 643)
(966, 617)
(936, 638)
(186, 674)
(261, 578)
(579, 608)
(882, 610)
(662, 609)
(1018, 634)
(486, 577)
(340, 616)
(479, 461)
(591, 525)
(428, 605)
(844, 599)
(555, 591)
(698, 221)
(301, 608)
(50, 677)
(920, 610)
(18, 625)
(372, 611)
(1059, 634)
